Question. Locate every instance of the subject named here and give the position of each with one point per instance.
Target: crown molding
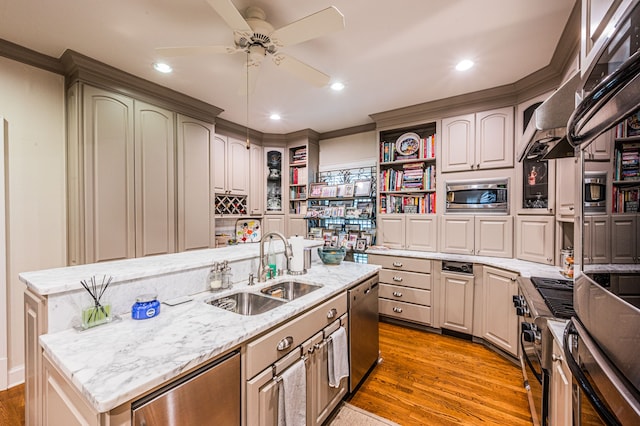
(30, 57)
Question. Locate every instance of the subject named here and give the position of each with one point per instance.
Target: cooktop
(557, 294)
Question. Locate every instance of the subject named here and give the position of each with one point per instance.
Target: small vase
(95, 315)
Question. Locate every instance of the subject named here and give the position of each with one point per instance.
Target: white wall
(345, 152)
(32, 103)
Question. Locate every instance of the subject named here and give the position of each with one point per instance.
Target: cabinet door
(494, 139)
(458, 143)
(296, 226)
(391, 231)
(109, 216)
(219, 164)
(596, 239)
(494, 236)
(500, 322)
(623, 238)
(457, 234)
(273, 223)
(560, 413)
(195, 198)
(421, 233)
(154, 180)
(565, 187)
(35, 324)
(600, 148)
(274, 169)
(237, 164)
(534, 238)
(457, 302)
(256, 183)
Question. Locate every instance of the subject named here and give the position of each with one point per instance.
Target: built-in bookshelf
(626, 175)
(298, 179)
(407, 167)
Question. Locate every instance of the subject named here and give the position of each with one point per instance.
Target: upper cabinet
(231, 161)
(478, 141)
(121, 177)
(256, 180)
(273, 170)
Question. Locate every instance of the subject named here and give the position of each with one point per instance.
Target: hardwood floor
(430, 379)
(12, 406)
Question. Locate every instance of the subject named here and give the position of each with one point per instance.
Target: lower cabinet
(296, 225)
(499, 320)
(456, 304)
(560, 400)
(405, 288)
(302, 340)
(535, 238)
(408, 231)
(596, 239)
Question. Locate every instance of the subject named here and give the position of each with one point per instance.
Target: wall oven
(479, 196)
(595, 192)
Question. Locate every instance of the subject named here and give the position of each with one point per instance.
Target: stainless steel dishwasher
(207, 396)
(363, 330)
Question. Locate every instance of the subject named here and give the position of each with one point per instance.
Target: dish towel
(292, 396)
(338, 357)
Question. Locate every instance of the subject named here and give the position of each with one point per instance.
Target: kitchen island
(111, 365)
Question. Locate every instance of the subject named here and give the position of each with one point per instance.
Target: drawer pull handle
(397, 264)
(397, 294)
(285, 343)
(397, 310)
(332, 313)
(397, 279)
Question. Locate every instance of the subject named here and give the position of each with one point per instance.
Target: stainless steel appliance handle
(597, 113)
(581, 378)
(529, 363)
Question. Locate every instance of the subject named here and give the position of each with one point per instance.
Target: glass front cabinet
(274, 167)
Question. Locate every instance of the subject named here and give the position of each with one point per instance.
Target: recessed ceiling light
(464, 65)
(337, 86)
(274, 116)
(162, 67)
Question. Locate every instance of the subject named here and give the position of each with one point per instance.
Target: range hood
(545, 135)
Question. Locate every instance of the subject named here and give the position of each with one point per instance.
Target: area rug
(350, 415)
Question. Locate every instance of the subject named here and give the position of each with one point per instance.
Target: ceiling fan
(257, 38)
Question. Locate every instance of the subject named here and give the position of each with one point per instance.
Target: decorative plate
(408, 143)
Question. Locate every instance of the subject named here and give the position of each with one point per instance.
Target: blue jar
(146, 306)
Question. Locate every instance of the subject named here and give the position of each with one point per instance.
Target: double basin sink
(247, 303)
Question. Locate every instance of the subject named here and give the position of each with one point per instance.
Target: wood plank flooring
(430, 379)
(12, 406)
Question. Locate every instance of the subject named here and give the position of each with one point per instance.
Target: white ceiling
(391, 54)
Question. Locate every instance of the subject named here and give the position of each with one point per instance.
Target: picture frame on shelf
(361, 244)
(366, 209)
(316, 232)
(315, 189)
(353, 238)
(346, 190)
(367, 237)
(362, 188)
(327, 234)
(334, 241)
(342, 239)
(352, 213)
(329, 191)
(352, 227)
(633, 125)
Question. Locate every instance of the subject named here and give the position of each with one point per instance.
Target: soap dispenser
(215, 277)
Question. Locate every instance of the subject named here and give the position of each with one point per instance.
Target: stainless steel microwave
(478, 196)
(595, 192)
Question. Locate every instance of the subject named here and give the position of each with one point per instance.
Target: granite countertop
(524, 268)
(114, 363)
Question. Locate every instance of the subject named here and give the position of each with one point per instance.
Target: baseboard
(4, 379)
(16, 376)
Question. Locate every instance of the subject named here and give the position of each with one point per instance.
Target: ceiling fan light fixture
(337, 86)
(162, 67)
(275, 116)
(464, 65)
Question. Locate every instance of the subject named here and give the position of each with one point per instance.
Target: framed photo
(361, 244)
(366, 209)
(368, 238)
(334, 241)
(327, 234)
(352, 212)
(633, 125)
(352, 227)
(329, 191)
(351, 242)
(362, 188)
(316, 189)
(316, 232)
(342, 239)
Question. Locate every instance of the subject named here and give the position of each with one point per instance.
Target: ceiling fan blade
(230, 15)
(301, 70)
(320, 23)
(196, 50)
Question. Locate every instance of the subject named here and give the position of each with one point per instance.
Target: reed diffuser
(99, 312)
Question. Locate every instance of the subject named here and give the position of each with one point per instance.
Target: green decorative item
(98, 313)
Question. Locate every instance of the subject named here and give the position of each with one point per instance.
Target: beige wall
(349, 151)
(32, 103)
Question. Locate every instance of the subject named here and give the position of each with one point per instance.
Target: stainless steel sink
(289, 290)
(245, 303)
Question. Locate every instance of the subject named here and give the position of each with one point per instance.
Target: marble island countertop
(114, 363)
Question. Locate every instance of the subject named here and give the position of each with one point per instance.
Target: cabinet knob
(472, 166)
(397, 294)
(556, 357)
(332, 313)
(471, 251)
(397, 310)
(549, 259)
(285, 343)
(397, 264)
(397, 279)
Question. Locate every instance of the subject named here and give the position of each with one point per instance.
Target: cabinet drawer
(405, 311)
(263, 351)
(405, 294)
(408, 279)
(401, 263)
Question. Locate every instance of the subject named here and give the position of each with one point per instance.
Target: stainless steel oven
(478, 196)
(595, 192)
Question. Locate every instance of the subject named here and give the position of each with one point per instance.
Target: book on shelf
(299, 155)
(298, 176)
(422, 204)
(427, 150)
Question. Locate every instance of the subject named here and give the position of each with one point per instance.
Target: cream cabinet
(600, 148)
(231, 161)
(256, 180)
(560, 401)
(624, 234)
(535, 238)
(407, 231)
(121, 177)
(499, 320)
(456, 302)
(405, 288)
(565, 188)
(479, 141)
(596, 231)
(296, 226)
(274, 223)
(478, 235)
(195, 155)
